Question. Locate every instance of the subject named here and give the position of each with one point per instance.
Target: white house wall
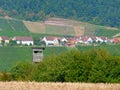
(25, 42)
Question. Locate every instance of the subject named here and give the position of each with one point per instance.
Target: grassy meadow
(9, 56)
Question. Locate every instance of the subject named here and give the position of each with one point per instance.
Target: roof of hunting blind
(38, 48)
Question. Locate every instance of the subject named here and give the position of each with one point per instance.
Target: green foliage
(12, 43)
(99, 11)
(95, 65)
(21, 71)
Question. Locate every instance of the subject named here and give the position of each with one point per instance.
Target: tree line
(101, 12)
(95, 66)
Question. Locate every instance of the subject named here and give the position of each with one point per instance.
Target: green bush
(95, 65)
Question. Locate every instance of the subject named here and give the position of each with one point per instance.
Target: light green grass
(9, 56)
(107, 33)
(112, 49)
(59, 30)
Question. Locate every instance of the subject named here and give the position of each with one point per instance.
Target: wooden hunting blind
(38, 54)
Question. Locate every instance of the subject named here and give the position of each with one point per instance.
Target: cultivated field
(58, 26)
(53, 26)
(57, 86)
(9, 56)
(11, 27)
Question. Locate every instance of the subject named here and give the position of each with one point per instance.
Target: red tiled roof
(50, 38)
(20, 38)
(116, 40)
(85, 38)
(4, 38)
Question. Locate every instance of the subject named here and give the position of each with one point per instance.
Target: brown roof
(50, 38)
(4, 38)
(23, 38)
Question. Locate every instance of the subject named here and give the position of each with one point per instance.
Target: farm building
(24, 40)
(5, 39)
(51, 41)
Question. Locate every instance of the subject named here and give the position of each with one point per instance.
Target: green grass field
(112, 49)
(9, 56)
(107, 33)
(59, 30)
(12, 28)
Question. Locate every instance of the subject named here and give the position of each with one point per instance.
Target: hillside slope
(59, 26)
(53, 26)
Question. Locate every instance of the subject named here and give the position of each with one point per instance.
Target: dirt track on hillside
(56, 86)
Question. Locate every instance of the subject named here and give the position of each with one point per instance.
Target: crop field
(9, 56)
(60, 30)
(112, 49)
(10, 27)
(107, 33)
(57, 86)
(55, 26)
(58, 26)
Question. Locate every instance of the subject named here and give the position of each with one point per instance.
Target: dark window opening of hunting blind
(38, 54)
(37, 51)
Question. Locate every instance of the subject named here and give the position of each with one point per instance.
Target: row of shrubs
(95, 65)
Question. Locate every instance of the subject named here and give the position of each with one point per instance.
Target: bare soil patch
(35, 27)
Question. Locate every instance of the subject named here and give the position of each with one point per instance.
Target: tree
(12, 43)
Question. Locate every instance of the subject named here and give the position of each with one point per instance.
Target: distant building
(24, 40)
(51, 41)
(5, 39)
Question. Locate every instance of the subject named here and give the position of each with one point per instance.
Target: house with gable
(51, 41)
(62, 40)
(85, 40)
(70, 42)
(5, 39)
(24, 40)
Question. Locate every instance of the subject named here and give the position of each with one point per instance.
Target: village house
(85, 40)
(62, 41)
(5, 39)
(116, 40)
(70, 42)
(24, 40)
(51, 41)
